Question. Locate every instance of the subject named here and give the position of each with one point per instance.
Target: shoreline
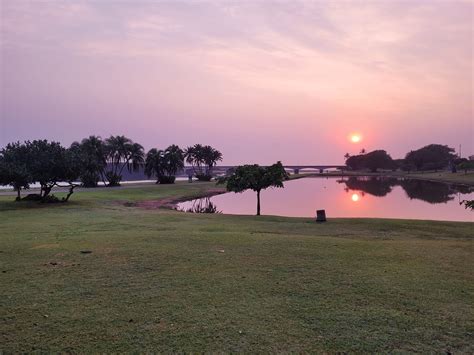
(396, 175)
(171, 203)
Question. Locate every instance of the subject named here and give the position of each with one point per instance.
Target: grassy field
(457, 178)
(442, 176)
(161, 280)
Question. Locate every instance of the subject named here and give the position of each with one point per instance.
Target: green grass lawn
(442, 176)
(160, 280)
(459, 178)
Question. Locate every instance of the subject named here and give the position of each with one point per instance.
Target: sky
(259, 80)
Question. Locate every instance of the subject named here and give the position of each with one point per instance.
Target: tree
(363, 151)
(466, 165)
(91, 154)
(202, 159)
(164, 164)
(430, 157)
(14, 162)
(378, 159)
(153, 164)
(47, 164)
(73, 169)
(121, 152)
(354, 162)
(256, 178)
(52, 164)
(468, 204)
(174, 156)
(210, 157)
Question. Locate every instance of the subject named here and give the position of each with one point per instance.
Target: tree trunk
(47, 190)
(258, 202)
(18, 191)
(71, 191)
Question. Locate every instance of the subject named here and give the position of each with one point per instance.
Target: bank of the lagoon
(460, 177)
(348, 196)
(100, 275)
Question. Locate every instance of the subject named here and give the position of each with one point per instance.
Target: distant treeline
(94, 160)
(431, 157)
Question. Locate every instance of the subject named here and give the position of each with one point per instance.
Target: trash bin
(320, 216)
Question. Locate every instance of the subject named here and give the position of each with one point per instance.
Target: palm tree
(135, 156)
(91, 153)
(194, 157)
(122, 152)
(211, 156)
(174, 156)
(164, 164)
(152, 163)
(203, 159)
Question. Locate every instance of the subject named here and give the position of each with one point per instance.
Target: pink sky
(259, 80)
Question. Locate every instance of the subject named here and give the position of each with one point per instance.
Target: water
(37, 185)
(348, 197)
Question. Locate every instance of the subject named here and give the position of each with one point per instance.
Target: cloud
(374, 60)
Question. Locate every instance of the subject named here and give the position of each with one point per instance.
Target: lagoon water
(348, 197)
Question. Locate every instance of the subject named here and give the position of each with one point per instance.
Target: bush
(113, 179)
(166, 179)
(32, 197)
(50, 199)
(203, 177)
(39, 198)
(89, 179)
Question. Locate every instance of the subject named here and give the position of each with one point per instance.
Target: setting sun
(355, 138)
(355, 197)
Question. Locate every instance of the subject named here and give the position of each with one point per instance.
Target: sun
(355, 138)
(355, 197)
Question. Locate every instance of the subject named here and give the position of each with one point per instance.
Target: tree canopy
(47, 163)
(202, 159)
(121, 152)
(164, 164)
(92, 157)
(377, 159)
(14, 162)
(430, 157)
(256, 178)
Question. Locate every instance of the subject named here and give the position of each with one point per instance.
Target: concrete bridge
(222, 169)
(318, 168)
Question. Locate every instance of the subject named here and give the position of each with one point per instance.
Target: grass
(160, 280)
(458, 178)
(442, 176)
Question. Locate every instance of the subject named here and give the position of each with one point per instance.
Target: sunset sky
(259, 80)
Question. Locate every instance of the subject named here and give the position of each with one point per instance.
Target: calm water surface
(348, 197)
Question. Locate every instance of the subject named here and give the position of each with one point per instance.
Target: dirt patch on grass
(46, 246)
(54, 264)
(171, 202)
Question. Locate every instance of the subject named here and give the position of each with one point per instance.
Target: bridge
(318, 168)
(222, 169)
(295, 169)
